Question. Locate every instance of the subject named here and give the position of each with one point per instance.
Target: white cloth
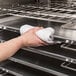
(45, 34)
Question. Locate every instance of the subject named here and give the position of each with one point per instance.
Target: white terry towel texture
(45, 34)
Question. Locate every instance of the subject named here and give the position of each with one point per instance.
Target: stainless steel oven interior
(58, 59)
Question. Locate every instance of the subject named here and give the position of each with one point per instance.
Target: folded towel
(45, 34)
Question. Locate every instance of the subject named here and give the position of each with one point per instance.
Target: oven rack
(38, 63)
(46, 50)
(17, 69)
(6, 72)
(47, 14)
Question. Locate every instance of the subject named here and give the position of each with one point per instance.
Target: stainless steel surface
(8, 18)
(58, 59)
(68, 66)
(60, 32)
(21, 70)
(50, 14)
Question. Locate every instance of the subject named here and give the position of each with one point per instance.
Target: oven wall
(8, 2)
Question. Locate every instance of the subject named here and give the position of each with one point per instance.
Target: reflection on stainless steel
(56, 18)
(20, 70)
(68, 65)
(59, 31)
(57, 59)
(70, 26)
(67, 34)
(64, 19)
(72, 12)
(69, 47)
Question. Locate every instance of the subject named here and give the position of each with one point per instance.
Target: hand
(30, 39)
